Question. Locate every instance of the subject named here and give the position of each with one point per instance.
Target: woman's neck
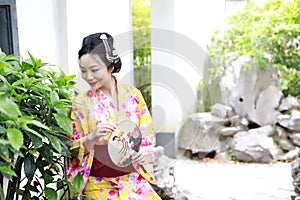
(110, 87)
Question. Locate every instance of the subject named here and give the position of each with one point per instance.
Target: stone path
(200, 180)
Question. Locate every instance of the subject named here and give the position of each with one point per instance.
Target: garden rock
(291, 122)
(242, 89)
(295, 171)
(222, 111)
(295, 139)
(230, 131)
(254, 147)
(166, 185)
(291, 155)
(200, 133)
(265, 110)
(288, 103)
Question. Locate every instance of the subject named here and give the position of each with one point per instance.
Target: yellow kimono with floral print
(91, 107)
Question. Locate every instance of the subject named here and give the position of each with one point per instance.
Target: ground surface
(212, 180)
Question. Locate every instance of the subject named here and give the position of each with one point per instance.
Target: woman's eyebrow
(91, 66)
(95, 65)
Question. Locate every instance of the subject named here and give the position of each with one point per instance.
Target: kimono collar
(99, 93)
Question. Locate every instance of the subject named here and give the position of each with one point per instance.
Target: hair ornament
(114, 58)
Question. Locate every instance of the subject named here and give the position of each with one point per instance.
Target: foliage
(142, 50)
(269, 35)
(35, 102)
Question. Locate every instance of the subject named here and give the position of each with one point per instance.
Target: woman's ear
(111, 68)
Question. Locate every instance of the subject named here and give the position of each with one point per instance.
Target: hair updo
(95, 44)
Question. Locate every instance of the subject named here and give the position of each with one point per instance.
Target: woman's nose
(89, 76)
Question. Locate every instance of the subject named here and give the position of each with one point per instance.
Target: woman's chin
(95, 87)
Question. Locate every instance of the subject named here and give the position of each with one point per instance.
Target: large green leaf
(37, 141)
(4, 151)
(29, 166)
(64, 122)
(50, 194)
(7, 170)
(15, 138)
(54, 141)
(54, 96)
(26, 128)
(39, 124)
(48, 178)
(2, 78)
(9, 108)
(47, 152)
(78, 183)
(25, 81)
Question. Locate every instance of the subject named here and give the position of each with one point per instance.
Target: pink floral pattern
(131, 186)
(90, 108)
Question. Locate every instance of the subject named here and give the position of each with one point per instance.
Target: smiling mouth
(93, 84)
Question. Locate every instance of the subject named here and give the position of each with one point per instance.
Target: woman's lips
(93, 84)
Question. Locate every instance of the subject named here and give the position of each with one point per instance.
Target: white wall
(179, 37)
(40, 30)
(52, 30)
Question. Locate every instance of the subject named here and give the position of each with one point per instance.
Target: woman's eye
(95, 70)
(83, 71)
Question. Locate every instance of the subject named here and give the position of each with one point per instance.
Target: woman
(96, 114)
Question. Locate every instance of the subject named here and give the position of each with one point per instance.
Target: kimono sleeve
(148, 137)
(81, 159)
(145, 123)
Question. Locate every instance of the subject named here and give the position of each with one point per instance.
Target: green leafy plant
(268, 34)
(35, 101)
(142, 50)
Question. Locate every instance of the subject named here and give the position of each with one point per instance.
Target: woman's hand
(144, 156)
(102, 129)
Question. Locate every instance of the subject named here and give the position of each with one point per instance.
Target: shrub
(35, 101)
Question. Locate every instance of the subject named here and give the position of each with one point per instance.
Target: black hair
(94, 44)
(114, 137)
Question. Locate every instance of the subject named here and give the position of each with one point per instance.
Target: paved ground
(233, 181)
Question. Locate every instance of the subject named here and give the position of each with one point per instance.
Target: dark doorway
(9, 42)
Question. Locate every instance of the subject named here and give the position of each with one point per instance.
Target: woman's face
(94, 71)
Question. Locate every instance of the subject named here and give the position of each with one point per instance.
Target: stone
(254, 147)
(291, 122)
(267, 130)
(285, 144)
(291, 155)
(200, 133)
(230, 131)
(244, 121)
(283, 120)
(295, 172)
(242, 90)
(222, 111)
(235, 120)
(288, 103)
(265, 110)
(295, 139)
(163, 169)
(281, 132)
(158, 152)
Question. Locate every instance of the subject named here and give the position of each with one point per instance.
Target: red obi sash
(104, 167)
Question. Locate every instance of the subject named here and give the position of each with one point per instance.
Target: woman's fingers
(102, 129)
(144, 156)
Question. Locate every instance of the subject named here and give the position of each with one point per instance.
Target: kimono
(92, 107)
